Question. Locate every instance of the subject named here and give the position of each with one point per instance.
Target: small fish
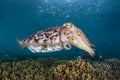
(56, 39)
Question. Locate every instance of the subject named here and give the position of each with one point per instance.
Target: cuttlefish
(56, 39)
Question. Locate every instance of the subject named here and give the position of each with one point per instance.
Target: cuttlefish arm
(80, 34)
(76, 37)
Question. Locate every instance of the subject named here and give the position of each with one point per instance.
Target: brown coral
(111, 66)
(54, 69)
(24, 70)
(78, 70)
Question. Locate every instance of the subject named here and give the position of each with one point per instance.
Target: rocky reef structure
(53, 69)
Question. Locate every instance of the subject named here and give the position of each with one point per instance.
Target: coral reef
(112, 66)
(55, 69)
(78, 70)
(24, 70)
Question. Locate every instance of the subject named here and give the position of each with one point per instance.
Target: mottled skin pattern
(57, 38)
(76, 37)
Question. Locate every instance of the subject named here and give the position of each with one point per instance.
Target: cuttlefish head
(76, 37)
(65, 33)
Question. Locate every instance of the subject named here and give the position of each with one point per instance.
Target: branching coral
(78, 70)
(112, 66)
(54, 69)
(24, 70)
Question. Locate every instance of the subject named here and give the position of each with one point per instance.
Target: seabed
(60, 69)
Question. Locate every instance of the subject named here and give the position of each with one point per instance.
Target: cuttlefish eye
(67, 46)
(67, 25)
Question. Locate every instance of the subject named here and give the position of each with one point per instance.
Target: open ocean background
(99, 20)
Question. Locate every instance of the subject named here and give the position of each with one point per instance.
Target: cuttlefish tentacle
(77, 38)
(86, 44)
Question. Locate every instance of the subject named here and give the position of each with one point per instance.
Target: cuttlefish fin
(21, 44)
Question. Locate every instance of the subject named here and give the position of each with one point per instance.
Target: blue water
(99, 20)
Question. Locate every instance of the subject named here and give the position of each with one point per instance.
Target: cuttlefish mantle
(56, 39)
